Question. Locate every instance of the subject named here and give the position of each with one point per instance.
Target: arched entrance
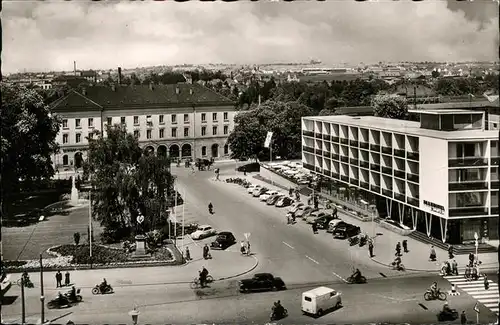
(174, 151)
(149, 150)
(162, 151)
(65, 160)
(186, 150)
(215, 150)
(78, 160)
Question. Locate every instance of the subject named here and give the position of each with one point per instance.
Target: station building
(438, 176)
(181, 121)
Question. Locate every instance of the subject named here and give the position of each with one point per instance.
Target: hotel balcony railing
(318, 135)
(375, 167)
(364, 185)
(494, 211)
(399, 174)
(308, 134)
(335, 175)
(387, 170)
(495, 185)
(335, 156)
(353, 161)
(387, 192)
(308, 149)
(413, 155)
(375, 147)
(414, 202)
(354, 143)
(399, 153)
(364, 145)
(308, 166)
(364, 164)
(344, 141)
(344, 158)
(495, 161)
(327, 137)
(467, 161)
(326, 154)
(354, 181)
(335, 139)
(344, 178)
(464, 186)
(400, 197)
(375, 188)
(319, 170)
(412, 177)
(387, 150)
(462, 212)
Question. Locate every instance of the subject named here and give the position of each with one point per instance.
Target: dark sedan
(262, 282)
(273, 199)
(224, 240)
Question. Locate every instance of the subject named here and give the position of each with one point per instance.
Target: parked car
(262, 282)
(275, 198)
(203, 231)
(311, 218)
(253, 187)
(346, 231)
(224, 240)
(259, 191)
(333, 224)
(294, 207)
(267, 195)
(323, 222)
(284, 201)
(303, 211)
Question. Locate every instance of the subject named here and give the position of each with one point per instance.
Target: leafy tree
(247, 139)
(435, 73)
(390, 106)
(126, 182)
(326, 112)
(27, 141)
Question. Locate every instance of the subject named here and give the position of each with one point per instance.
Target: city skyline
(130, 34)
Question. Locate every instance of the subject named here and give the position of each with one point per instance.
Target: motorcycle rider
(434, 289)
(61, 299)
(397, 262)
(446, 309)
(72, 294)
(26, 278)
(277, 309)
(210, 208)
(356, 275)
(203, 276)
(103, 285)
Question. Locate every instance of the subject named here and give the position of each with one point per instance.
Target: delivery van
(317, 301)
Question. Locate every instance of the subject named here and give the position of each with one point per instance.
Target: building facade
(438, 176)
(181, 121)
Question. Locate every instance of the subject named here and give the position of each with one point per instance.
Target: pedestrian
(405, 246)
(450, 252)
(187, 254)
(297, 195)
(316, 203)
(206, 252)
(398, 249)
(314, 228)
(309, 200)
(471, 259)
(454, 267)
(244, 171)
(248, 247)
(463, 318)
(486, 283)
(66, 279)
(192, 169)
(432, 255)
(242, 247)
(290, 192)
(370, 249)
(58, 279)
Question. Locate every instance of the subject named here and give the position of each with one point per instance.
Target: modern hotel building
(438, 176)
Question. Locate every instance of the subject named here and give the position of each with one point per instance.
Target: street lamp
(135, 315)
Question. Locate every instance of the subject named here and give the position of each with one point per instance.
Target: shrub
(163, 254)
(76, 237)
(154, 238)
(111, 236)
(100, 254)
(13, 263)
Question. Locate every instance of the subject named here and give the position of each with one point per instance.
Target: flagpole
(183, 210)
(90, 226)
(175, 212)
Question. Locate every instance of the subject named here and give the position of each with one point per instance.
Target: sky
(50, 35)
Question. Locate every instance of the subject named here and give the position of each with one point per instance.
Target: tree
(326, 112)
(247, 139)
(390, 106)
(28, 140)
(435, 73)
(126, 182)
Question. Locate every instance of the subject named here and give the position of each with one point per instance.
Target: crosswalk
(489, 298)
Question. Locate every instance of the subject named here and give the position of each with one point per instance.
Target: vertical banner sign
(268, 139)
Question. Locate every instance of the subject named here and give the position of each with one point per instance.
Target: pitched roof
(139, 96)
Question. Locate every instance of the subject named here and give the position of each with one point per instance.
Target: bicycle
(196, 282)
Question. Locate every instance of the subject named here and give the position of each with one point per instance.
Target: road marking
(288, 245)
(392, 298)
(338, 276)
(312, 259)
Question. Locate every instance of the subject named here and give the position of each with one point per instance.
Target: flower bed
(80, 254)
(396, 227)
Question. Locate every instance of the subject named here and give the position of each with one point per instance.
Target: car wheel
(320, 312)
(338, 305)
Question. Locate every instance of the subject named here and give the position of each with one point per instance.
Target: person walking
(454, 267)
(314, 228)
(206, 252)
(398, 249)
(432, 255)
(290, 192)
(486, 283)
(187, 254)
(471, 259)
(66, 279)
(463, 318)
(450, 252)
(370, 249)
(58, 279)
(405, 246)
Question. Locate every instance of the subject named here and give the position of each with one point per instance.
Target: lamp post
(135, 315)
(42, 298)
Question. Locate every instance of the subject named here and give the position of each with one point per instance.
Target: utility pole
(23, 307)
(42, 298)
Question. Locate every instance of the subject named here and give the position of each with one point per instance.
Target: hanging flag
(269, 136)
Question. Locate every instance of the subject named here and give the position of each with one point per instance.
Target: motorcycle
(27, 283)
(399, 267)
(279, 314)
(363, 240)
(57, 304)
(353, 240)
(429, 295)
(360, 280)
(97, 290)
(447, 316)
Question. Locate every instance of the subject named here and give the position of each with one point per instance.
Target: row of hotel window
(173, 120)
(149, 133)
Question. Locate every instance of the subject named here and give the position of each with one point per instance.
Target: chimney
(119, 75)
(74, 67)
(177, 90)
(151, 86)
(113, 87)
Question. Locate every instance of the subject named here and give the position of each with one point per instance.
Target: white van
(317, 301)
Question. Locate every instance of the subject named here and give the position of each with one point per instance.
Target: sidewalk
(417, 259)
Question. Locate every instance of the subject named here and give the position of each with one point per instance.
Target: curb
(255, 264)
(482, 268)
